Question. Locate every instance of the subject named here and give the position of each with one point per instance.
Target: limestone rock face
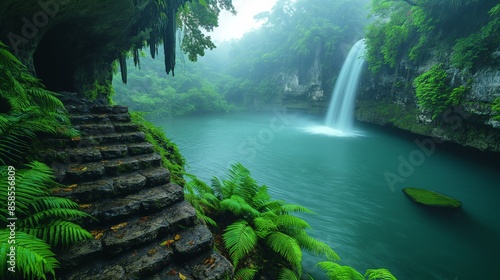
(116, 177)
(303, 83)
(390, 100)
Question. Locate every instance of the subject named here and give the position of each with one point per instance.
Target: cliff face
(390, 100)
(302, 85)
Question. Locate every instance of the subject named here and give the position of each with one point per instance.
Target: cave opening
(54, 60)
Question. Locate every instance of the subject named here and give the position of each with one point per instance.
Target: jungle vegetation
(29, 112)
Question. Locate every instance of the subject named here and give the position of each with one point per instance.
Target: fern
(34, 258)
(245, 274)
(286, 246)
(315, 246)
(379, 274)
(287, 274)
(335, 271)
(240, 238)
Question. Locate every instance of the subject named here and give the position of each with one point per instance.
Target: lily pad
(430, 198)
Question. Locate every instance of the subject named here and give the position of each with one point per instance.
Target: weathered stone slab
(193, 241)
(156, 176)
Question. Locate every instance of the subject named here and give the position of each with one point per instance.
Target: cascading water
(341, 109)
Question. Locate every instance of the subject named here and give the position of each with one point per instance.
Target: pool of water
(353, 182)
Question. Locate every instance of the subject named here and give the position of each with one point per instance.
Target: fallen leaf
(182, 277)
(172, 272)
(67, 189)
(152, 251)
(167, 242)
(76, 139)
(119, 226)
(85, 169)
(209, 261)
(73, 186)
(85, 206)
(177, 237)
(191, 242)
(99, 236)
(143, 219)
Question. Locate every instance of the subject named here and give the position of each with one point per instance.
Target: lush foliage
(260, 235)
(412, 30)
(28, 112)
(194, 90)
(171, 157)
(474, 50)
(433, 93)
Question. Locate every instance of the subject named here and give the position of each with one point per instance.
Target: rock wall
(390, 100)
(302, 85)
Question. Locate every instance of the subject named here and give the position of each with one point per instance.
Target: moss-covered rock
(430, 198)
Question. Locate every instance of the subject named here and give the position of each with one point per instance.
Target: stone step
(210, 265)
(130, 164)
(135, 232)
(87, 192)
(140, 148)
(109, 109)
(143, 200)
(156, 176)
(96, 129)
(111, 138)
(83, 252)
(84, 172)
(78, 119)
(126, 127)
(146, 260)
(113, 151)
(192, 242)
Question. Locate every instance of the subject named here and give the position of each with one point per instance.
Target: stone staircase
(113, 173)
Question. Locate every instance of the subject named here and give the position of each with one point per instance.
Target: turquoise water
(366, 219)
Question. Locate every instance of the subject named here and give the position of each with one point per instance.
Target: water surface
(366, 220)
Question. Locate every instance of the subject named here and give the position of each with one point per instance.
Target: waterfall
(341, 110)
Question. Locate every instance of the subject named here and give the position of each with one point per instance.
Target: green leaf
(240, 238)
(286, 246)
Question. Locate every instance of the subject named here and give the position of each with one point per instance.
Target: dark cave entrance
(54, 60)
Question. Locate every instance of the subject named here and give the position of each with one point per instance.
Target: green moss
(386, 112)
(430, 198)
(170, 155)
(496, 109)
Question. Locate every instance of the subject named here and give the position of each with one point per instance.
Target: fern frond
(238, 206)
(379, 274)
(315, 246)
(335, 271)
(59, 232)
(264, 226)
(290, 221)
(240, 238)
(51, 202)
(286, 246)
(245, 273)
(293, 208)
(261, 198)
(287, 274)
(34, 259)
(37, 219)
